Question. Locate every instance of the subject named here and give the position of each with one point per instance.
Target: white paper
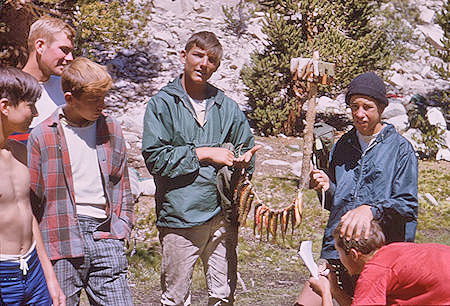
(305, 253)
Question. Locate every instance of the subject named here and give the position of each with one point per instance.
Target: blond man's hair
(46, 28)
(83, 76)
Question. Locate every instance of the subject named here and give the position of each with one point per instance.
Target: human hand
(319, 180)
(329, 272)
(320, 285)
(322, 266)
(354, 221)
(56, 293)
(243, 161)
(216, 155)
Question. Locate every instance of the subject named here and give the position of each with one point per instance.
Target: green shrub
(236, 17)
(443, 19)
(432, 136)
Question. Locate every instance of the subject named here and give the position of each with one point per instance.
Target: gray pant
(215, 244)
(101, 272)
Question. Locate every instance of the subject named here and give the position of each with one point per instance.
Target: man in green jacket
(186, 125)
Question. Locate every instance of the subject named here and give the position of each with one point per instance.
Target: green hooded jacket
(186, 192)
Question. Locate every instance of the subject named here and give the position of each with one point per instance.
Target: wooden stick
(308, 135)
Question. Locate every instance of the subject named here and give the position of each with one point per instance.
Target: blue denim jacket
(384, 177)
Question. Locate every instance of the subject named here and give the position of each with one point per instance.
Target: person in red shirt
(400, 273)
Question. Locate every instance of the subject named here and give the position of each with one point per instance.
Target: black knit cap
(367, 84)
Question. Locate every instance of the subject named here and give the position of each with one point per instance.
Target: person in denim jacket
(372, 175)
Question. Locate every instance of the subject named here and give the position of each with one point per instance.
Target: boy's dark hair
(16, 86)
(365, 246)
(207, 41)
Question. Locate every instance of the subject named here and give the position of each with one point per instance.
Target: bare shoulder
(18, 150)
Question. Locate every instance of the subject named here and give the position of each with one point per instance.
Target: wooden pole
(308, 135)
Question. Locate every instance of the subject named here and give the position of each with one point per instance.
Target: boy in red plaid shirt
(81, 191)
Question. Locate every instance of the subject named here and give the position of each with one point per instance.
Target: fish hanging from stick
(307, 73)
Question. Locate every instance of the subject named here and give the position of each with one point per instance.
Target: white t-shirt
(366, 141)
(87, 181)
(52, 97)
(200, 109)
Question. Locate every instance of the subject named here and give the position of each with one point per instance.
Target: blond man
(81, 191)
(50, 45)
(26, 273)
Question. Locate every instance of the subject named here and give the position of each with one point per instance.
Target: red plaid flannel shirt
(52, 193)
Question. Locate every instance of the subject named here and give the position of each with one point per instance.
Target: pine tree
(443, 19)
(342, 32)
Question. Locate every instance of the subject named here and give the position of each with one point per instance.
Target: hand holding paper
(305, 253)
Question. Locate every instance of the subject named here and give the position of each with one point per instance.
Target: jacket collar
(387, 131)
(175, 88)
(383, 136)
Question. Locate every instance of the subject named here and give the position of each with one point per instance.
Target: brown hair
(83, 76)
(16, 86)
(207, 41)
(46, 27)
(366, 246)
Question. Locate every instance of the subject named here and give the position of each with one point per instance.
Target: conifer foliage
(342, 31)
(443, 19)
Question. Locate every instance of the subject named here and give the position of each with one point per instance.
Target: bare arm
(58, 297)
(321, 286)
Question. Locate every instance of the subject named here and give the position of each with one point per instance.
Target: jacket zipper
(358, 183)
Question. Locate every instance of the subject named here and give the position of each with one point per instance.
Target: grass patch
(434, 180)
(434, 221)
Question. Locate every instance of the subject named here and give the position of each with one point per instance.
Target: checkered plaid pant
(101, 272)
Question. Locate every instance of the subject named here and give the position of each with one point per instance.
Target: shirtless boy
(25, 269)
